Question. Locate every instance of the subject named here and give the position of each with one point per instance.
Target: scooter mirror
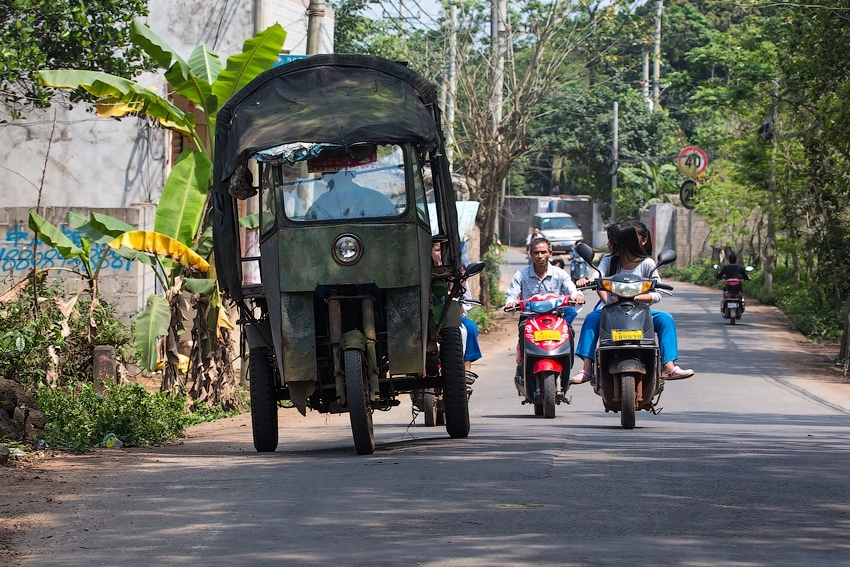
(666, 257)
(474, 269)
(749, 269)
(716, 267)
(586, 252)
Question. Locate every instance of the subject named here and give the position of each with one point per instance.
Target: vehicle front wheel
(359, 408)
(548, 395)
(263, 400)
(454, 383)
(627, 391)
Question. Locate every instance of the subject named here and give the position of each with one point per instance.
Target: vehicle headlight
(347, 249)
(626, 289)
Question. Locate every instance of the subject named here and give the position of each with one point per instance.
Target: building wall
(679, 229)
(123, 283)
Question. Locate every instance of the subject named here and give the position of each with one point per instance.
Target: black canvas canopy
(329, 99)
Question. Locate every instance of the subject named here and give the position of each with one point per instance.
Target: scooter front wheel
(627, 394)
(548, 381)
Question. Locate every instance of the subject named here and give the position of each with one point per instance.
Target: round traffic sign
(687, 192)
(692, 161)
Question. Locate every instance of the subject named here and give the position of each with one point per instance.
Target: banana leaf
(151, 324)
(119, 97)
(258, 54)
(161, 245)
(200, 286)
(54, 237)
(103, 229)
(181, 205)
(144, 37)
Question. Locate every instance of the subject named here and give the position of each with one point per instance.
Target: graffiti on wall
(16, 252)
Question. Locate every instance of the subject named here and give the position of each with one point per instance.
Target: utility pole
(262, 15)
(451, 86)
(498, 13)
(615, 158)
(315, 15)
(645, 82)
(656, 63)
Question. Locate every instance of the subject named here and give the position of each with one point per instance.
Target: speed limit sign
(692, 161)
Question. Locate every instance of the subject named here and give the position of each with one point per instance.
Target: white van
(559, 228)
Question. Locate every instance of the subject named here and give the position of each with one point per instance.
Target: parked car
(559, 228)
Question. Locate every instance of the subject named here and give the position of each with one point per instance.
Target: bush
(78, 416)
(481, 318)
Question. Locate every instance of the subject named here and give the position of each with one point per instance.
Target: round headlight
(347, 249)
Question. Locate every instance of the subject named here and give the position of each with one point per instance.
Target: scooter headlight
(626, 289)
(347, 249)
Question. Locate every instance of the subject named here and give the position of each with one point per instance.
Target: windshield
(557, 223)
(330, 182)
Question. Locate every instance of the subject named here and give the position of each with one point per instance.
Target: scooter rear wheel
(627, 394)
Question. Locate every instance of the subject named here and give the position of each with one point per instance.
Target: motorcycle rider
(541, 277)
(630, 246)
(732, 270)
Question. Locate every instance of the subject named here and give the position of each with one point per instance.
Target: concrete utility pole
(262, 15)
(656, 63)
(498, 13)
(615, 159)
(645, 82)
(451, 86)
(315, 15)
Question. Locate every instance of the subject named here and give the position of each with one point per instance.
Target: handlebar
(663, 286)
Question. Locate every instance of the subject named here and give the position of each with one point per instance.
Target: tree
(58, 34)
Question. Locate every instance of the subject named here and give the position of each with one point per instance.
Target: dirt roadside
(30, 489)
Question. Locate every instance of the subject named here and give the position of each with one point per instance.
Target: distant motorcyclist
(732, 270)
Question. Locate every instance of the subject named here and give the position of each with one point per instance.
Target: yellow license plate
(627, 335)
(547, 335)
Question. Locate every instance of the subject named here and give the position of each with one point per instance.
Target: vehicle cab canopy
(321, 104)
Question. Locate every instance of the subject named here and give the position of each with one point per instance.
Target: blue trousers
(664, 325)
(471, 351)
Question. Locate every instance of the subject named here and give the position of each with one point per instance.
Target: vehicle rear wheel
(430, 409)
(627, 391)
(263, 400)
(549, 395)
(359, 409)
(733, 316)
(454, 383)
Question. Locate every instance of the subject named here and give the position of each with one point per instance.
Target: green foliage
(481, 318)
(491, 275)
(200, 413)
(32, 345)
(78, 416)
(63, 34)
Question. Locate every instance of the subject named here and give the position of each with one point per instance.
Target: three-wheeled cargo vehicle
(323, 237)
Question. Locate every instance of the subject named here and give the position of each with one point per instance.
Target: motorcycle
(579, 269)
(627, 369)
(732, 303)
(547, 351)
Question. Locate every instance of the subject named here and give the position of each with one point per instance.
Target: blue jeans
(664, 325)
(471, 351)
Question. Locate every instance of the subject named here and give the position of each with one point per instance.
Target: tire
(627, 391)
(261, 385)
(454, 383)
(549, 395)
(733, 316)
(538, 409)
(359, 409)
(430, 409)
(441, 417)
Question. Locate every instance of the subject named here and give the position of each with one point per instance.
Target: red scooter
(547, 352)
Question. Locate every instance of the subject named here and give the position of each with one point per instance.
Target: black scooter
(627, 371)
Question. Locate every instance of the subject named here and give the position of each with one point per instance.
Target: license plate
(547, 335)
(732, 305)
(627, 335)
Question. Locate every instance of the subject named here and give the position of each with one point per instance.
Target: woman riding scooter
(630, 246)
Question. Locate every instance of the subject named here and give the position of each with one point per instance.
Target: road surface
(747, 465)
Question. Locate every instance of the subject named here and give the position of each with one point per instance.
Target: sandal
(678, 374)
(580, 378)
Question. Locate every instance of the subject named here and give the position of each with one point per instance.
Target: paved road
(746, 466)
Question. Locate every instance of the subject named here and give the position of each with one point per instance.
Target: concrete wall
(123, 283)
(517, 213)
(107, 163)
(679, 229)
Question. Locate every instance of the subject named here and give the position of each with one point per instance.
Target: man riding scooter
(732, 304)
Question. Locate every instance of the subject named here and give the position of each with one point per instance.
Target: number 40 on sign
(692, 161)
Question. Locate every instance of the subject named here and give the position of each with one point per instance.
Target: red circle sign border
(693, 149)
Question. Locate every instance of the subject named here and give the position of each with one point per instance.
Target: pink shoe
(580, 378)
(678, 374)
